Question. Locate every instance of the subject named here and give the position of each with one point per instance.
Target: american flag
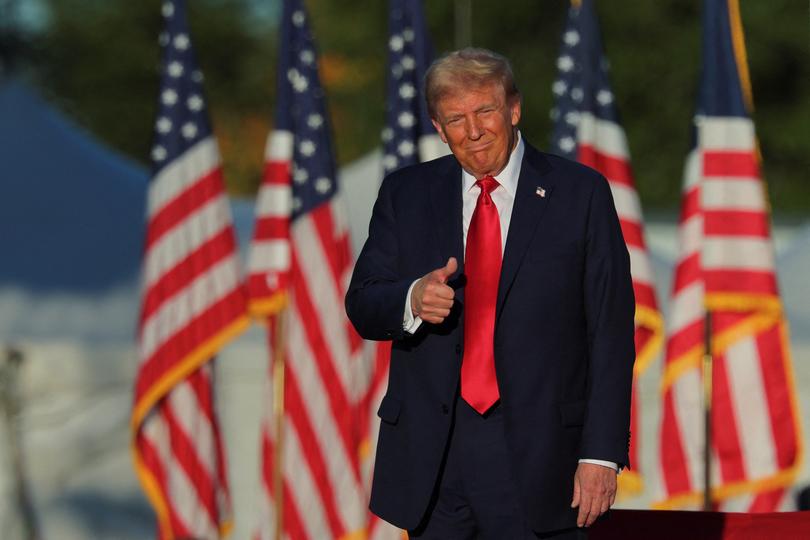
(301, 259)
(587, 128)
(408, 136)
(726, 267)
(193, 303)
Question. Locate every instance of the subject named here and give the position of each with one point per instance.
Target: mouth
(479, 147)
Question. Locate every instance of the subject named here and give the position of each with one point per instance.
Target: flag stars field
(181, 42)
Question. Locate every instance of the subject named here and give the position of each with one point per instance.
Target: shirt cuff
(410, 322)
(603, 463)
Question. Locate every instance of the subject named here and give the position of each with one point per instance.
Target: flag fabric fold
(193, 303)
(298, 268)
(587, 129)
(408, 137)
(726, 269)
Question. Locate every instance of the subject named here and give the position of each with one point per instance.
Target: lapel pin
(540, 192)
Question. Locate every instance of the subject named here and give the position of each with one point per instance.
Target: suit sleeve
(609, 308)
(375, 301)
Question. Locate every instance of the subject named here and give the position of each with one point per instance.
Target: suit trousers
(476, 495)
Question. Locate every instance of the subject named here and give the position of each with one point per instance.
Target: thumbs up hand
(431, 297)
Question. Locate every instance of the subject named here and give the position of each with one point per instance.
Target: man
(501, 275)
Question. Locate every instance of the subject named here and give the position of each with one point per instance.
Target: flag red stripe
(178, 278)
(632, 232)
(208, 323)
(613, 168)
(312, 452)
(690, 205)
(322, 353)
(777, 392)
(730, 163)
(271, 228)
(177, 210)
(741, 281)
(276, 172)
(684, 340)
(187, 456)
(686, 273)
(736, 223)
(725, 436)
(153, 462)
(645, 294)
(767, 501)
(673, 459)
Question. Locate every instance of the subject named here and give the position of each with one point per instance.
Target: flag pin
(540, 192)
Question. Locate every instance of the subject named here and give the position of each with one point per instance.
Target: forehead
(461, 98)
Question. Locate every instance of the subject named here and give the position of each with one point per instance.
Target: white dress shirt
(504, 198)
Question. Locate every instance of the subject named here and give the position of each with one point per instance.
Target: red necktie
(482, 266)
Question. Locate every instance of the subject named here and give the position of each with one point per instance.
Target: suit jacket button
(445, 408)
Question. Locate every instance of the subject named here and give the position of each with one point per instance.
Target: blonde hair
(469, 67)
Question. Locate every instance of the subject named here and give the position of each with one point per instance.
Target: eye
(454, 121)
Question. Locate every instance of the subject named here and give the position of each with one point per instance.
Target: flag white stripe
(269, 256)
(692, 171)
(181, 173)
(320, 414)
(732, 194)
(176, 244)
(302, 486)
(725, 133)
(688, 417)
(640, 265)
(180, 491)
(750, 405)
(740, 503)
(187, 411)
(274, 200)
(737, 253)
(686, 308)
(279, 146)
(606, 137)
(432, 147)
(176, 312)
(690, 237)
(328, 300)
(340, 220)
(627, 203)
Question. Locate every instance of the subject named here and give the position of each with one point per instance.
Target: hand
(594, 492)
(431, 298)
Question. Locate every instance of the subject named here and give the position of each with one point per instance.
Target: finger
(613, 497)
(575, 498)
(584, 508)
(443, 273)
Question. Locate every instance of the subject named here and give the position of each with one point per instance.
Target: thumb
(447, 270)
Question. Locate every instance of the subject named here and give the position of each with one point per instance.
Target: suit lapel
(445, 198)
(526, 213)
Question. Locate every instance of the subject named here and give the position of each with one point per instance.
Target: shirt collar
(508, 177)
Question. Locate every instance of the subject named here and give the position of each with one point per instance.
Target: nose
(474, 130)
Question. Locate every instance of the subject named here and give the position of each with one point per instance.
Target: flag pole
(707, 413)
(279, 334)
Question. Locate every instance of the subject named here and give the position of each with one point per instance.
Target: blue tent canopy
(71, 210)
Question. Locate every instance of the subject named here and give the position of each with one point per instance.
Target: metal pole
(707, 413)
(278, 331)
(463, 13)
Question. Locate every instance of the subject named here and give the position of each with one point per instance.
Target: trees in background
(98, 58)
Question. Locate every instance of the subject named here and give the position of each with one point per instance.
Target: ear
(514, 111)
(438, 127)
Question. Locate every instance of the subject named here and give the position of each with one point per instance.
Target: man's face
(479, 126)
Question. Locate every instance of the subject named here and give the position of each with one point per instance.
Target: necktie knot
(487, 184)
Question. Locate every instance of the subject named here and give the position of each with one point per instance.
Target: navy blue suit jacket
(563, 339)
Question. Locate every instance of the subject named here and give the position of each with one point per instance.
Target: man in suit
(502, 278)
